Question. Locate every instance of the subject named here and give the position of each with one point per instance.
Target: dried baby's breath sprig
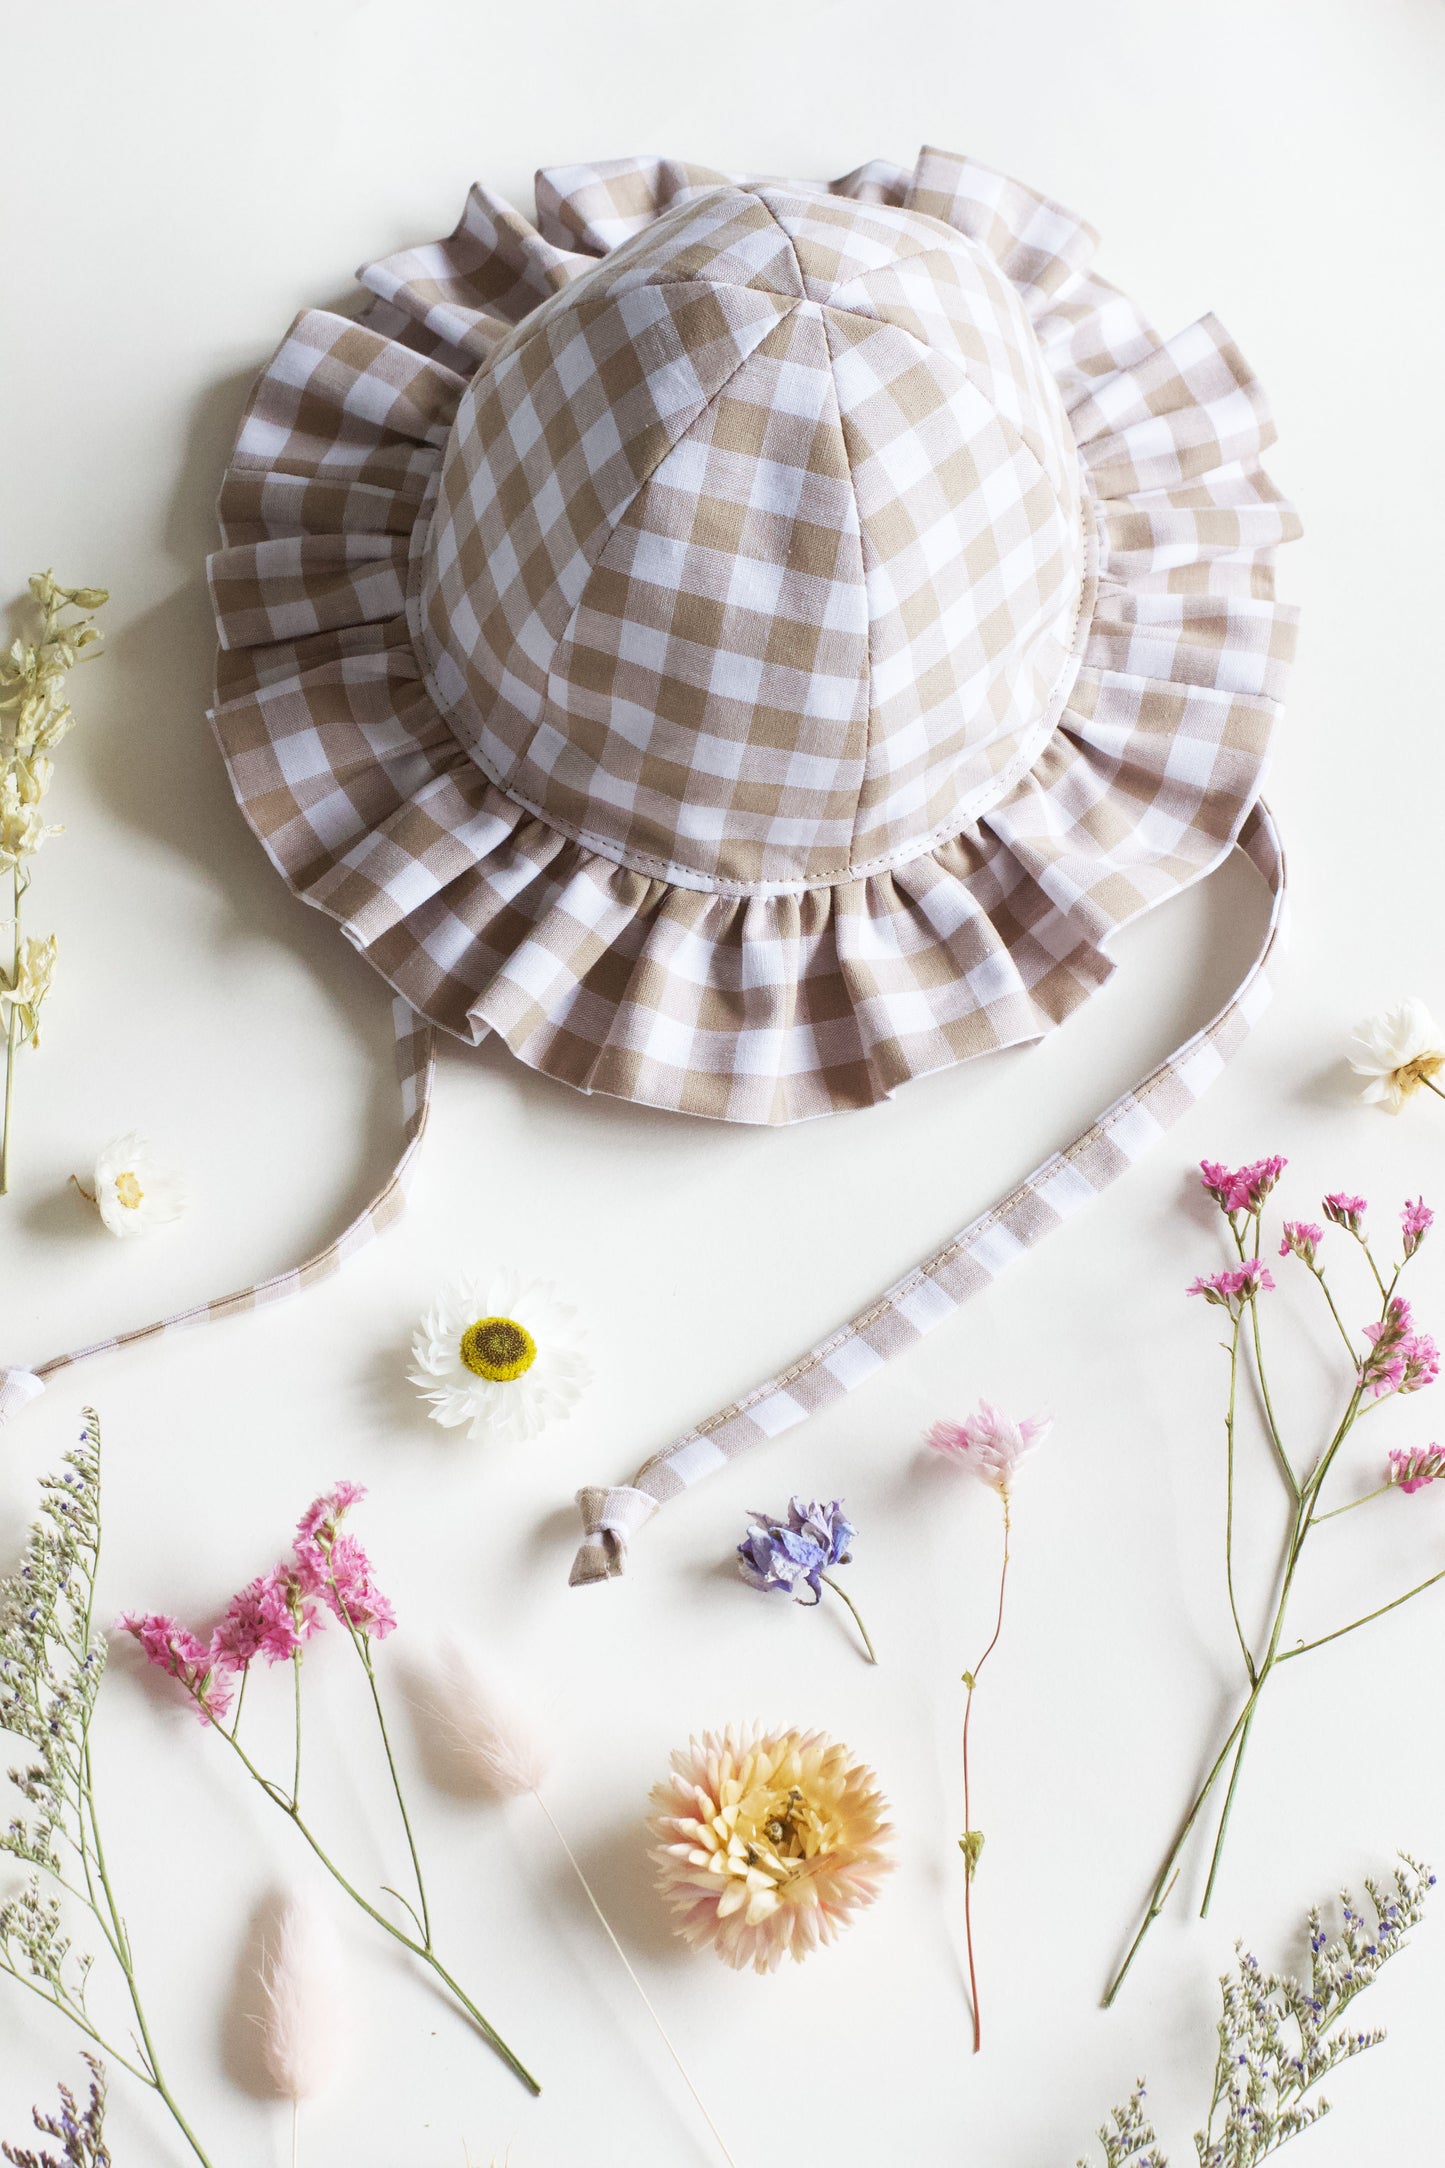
(34, 716)
(81, 2130)
(52, 1661)
(1279, 2039)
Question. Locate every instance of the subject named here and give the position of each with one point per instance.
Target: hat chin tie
(18, 1387)
(610, 1518)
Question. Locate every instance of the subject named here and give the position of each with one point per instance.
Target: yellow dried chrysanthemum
(768, 1842)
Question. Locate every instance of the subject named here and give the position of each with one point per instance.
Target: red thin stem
(970, 1863)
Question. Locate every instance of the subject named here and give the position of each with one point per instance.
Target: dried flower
(133, 1189)
(1401, 1360)
(1411, 1469)
(1235, 1286)
(303, 1987)
(34, 717)
(767, 1843)
(172, 1649)
(82, 2130)
(501, 1357)
(492, 1745)
(791, 1557)
(1416, 1220)
(1346, 1211)
(1397, 1051)
(1241, 1189)
(21, 998)
(1396, 1357)
(1301, 1238)
(328, 1575)
(990, 1444)
(52, 1663)
(501, 1755)
(1275, 2042)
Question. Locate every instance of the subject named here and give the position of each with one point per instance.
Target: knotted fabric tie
(610, 1518)
(17, 1389)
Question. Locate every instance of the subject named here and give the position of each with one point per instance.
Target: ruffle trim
(763, 1009)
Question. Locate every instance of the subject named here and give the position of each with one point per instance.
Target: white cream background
(178, 182)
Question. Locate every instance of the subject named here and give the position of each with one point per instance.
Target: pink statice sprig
(273, 1617)
(1235, 1287)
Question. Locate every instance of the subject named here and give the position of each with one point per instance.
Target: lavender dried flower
(81, 2130)
(1277, 2037)
(791, 1556)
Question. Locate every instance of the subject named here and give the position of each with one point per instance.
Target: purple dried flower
(791, 1557)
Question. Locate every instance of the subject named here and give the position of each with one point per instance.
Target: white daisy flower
(134, 1190)
(499, 1355)
(1398, 1051)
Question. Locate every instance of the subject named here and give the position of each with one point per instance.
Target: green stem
(1334, 1313)
(1335, 1511)
(1224, 1817)
(1168, 1872)
(838, 1590)
(363, 1649)
(1229, 1500)
(1285, 1465)
(296, 1766)
(1354, 1626)
(397, 1934)
(1432, 1087)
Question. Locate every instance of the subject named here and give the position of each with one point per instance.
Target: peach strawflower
(768, 1843)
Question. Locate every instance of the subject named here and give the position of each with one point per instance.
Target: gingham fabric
(415, 1055)
(748, 643)
(971, 1261)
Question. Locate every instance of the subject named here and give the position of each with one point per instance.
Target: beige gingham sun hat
(747, 644)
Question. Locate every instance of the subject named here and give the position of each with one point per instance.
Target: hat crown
(758, 550)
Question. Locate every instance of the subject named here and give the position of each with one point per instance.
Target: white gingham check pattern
(367, 759)
(971, 1261)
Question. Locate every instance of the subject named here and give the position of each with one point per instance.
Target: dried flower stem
(51, 1666)
(34, 717)
(420, 1945)
(972, 1842)
(1305, 1497)
(1275, 2045)
(647, 2004)
(839, 1590)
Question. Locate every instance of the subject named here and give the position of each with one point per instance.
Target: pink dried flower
(1302, 1239)
(346, 1583)
(286, 1611)
(173, 1649)
(1237, 1283)
(1422, 1363)
(1400, 1360)
(1411, 1471)
(1417, 1219)
(323, 1517)
(1241, 1189)
(990, 1443)
(1346, 1211)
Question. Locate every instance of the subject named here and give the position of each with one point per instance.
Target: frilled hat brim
(761, 1008)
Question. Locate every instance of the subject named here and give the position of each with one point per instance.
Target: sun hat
(746, 644)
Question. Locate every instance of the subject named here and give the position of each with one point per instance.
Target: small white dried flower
(32, 984)
(134, 1190)
(500, 1357)
(1397, 1051)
